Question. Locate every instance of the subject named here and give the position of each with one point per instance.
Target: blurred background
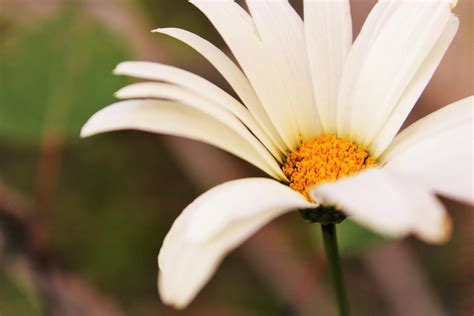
(82, 220)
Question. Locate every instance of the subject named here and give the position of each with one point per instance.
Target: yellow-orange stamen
(323, 159)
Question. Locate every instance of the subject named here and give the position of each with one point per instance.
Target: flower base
(324, 214)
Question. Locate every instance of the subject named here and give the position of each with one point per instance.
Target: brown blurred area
(55, 261)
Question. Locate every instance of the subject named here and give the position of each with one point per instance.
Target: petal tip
(116, 70)
(445, 232)
(121, 68)
(167, 297)
(439, 234)
(86, 130)
(93, 126)
(453, 4)
(119, 94)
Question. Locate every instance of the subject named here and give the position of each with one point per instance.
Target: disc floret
(325, 158)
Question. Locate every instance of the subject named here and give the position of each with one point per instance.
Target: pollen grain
(323, 159)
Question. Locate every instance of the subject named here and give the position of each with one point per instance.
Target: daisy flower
(314, 110)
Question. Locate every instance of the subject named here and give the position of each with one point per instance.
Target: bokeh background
(82, 220)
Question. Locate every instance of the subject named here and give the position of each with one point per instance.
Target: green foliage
(355, 239)
(119, 194)
(182, 14)
(54, 75)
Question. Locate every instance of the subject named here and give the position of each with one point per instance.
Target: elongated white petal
(413, 91)
(172, 118)
(241, 35)
(214, 224)
(360, 47)
(390, 204)
(182, 95)
(328, 32)
(199, 85)
(393, 44)
(282, 33)
(438, 150)
(234, 76)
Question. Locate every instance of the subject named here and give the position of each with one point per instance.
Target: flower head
(315, 111)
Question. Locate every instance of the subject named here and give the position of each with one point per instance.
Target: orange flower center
(322, 159)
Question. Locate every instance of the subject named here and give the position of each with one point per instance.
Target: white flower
(308, 97)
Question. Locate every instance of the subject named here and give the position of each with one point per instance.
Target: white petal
(214, 224)
(234, 76)
(199, 85)
(414, 90)
(328, 32)
(282, 32)
(438, 150)
(351, 70)
(390, 204)
(393, 44)
(183, 96)
(240, 33)
(172, 118)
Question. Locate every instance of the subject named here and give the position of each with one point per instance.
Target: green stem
(332, 253)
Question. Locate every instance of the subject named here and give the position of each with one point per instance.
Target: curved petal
(199, 85)
(282, 32)
(234, 76)
(182, 95)
(328, 32)
(391, 47)
(414, 90)
(241, 35)
(438, 149)
(172, 118)
(388, 203)
(214, 224)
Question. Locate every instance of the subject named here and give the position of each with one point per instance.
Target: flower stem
(332, 253)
